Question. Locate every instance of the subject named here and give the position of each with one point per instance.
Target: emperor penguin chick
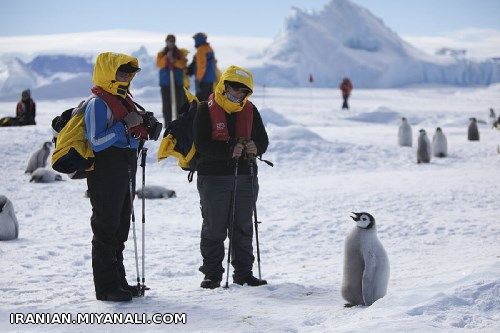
(423, 148)
(44, 175)
(473, 131)
(439, 144)
(405, 135)
(39, 158)
(9, 227)
(493, 116)
(366, 265)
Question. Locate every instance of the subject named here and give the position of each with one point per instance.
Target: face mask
(232, 98)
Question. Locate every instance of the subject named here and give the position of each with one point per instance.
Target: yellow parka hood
(105, 68)
(235, 74)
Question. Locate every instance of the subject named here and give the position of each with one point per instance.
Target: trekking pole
(233, 214)
(144, 152)
(132, 194)
(173, 99)
(264, 95)
(251, 162)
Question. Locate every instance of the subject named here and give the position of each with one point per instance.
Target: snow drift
(345, 39)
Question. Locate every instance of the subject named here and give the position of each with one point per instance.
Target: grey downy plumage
(439, 144)
(9, 227)
(39, 158)
(473, 131)
(423, 148)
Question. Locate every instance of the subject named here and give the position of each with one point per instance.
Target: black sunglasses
(244, 90)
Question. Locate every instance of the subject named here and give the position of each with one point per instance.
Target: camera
(152, 125)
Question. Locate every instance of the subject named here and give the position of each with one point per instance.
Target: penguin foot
(348, 305)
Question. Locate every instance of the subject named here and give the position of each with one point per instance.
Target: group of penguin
(424, 149)
(366, 264)
(9, 226)
(40, 173)
(439, 146)
(37, 166)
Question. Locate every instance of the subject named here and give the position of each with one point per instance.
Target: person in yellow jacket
(111, 119)
(171, 60)
(203, 67)
(228, 134)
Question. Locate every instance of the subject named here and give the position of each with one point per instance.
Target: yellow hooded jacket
(170, 145)
(73, 153)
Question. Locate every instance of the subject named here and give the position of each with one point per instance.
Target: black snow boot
(210, 283)
(115, 295)
(251, 280)
(133, 290)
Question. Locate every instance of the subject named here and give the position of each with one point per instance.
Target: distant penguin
(473, 132)
(496, 124)
(44, 175)
(423, 148)
(493, 116)
(39, 158)
(155, 192)
(405, 135)
(439, 144)
(9, 228)
(366, 265)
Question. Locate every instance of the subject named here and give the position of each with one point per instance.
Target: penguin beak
(356, 217)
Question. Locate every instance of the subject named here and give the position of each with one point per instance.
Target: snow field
(438, 222)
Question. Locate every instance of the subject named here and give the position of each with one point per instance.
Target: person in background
(25, 112)
(203, 67)
(346, 88)
(171, 60)
(186, 82)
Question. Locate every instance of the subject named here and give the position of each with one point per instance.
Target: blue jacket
(165, 77)
(204, 64)
(102, 131)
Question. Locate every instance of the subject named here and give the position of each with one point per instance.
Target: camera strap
(139, 106)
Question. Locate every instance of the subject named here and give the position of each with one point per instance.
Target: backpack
(178, 140)
(73, 154)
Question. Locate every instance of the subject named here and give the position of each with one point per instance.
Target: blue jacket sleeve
(96, 122)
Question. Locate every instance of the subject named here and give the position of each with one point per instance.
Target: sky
(232, 18)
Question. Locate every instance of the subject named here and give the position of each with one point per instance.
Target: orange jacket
(346, 87)
(205, 63)
(162, 60)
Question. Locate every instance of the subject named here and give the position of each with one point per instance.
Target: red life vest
(244, 121)
(120, 111)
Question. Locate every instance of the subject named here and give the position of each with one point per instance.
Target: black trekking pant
(345, 105)
(167, 102)
(108, 187)
(203, 90)
(216, 204)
